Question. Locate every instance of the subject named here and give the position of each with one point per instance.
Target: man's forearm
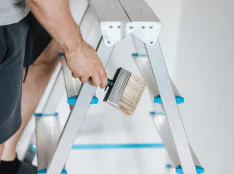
(56, 18)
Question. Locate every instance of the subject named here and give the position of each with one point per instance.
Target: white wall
(205, 77)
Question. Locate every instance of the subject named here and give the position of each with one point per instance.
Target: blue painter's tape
(72, 100)
(139, 55)
(43, 171)
(46, 115)
(169, 166)
(179, 99)
(199, 169)
(111, 146)
(61, 54)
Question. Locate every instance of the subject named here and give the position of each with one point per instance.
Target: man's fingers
(103, 77)
(75, 75)
(84, 79)
(104, 80)
(95, 79)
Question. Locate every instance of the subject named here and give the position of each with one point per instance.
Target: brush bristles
(131, 95)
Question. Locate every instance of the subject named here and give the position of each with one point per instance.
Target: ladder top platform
(124, 11)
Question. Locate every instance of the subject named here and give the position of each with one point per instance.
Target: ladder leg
(171, 109)
(76, 118)
(47, 124)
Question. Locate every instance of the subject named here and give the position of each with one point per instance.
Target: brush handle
(110, 83)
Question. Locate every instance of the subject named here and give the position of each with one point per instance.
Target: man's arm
(81, 58)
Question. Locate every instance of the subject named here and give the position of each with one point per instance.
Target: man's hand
(85, 64)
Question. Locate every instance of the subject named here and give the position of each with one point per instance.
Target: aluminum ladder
(104, 23)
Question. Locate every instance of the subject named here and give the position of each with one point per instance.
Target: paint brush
(125, 91)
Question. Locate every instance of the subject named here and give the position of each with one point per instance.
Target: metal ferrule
(116, 91)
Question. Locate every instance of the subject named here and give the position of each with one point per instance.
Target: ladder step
(139, 55)
(179, 99)
(199, 169)
(72, 100)
(153, 113)
(111, 146)
(43, 171)
(169, 166)
(46, 115)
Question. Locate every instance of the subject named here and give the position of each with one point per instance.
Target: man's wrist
(73, 43)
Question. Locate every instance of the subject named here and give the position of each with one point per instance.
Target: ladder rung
(72, 100)
(153, 113)
(199, 169)
(169, 166)
(112, 146)
(179, 99)
(139, 55)
(45, 115)
(43, 171)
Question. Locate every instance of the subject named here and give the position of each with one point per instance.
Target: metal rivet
(143, 27)
(151, 27)
(109, 42)
(131, 27)
(110, 26)
(118, 26)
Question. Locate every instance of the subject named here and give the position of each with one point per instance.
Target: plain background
(197, 40)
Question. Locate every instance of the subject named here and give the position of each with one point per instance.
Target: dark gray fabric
(17, 167)
(13, 57)
(25, 168)
(12, 40)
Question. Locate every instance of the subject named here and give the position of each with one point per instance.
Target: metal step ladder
(104, 23)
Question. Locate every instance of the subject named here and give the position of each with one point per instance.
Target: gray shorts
(20, 44)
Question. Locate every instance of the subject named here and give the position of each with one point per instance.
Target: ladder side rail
(90, 29)
(85, 94)
(163, 128)
(143, 64)
(48, 127)
(171, 109)
(73, 85)
(50, 106)
(56, 94)
(42, 108)
(76, 118)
